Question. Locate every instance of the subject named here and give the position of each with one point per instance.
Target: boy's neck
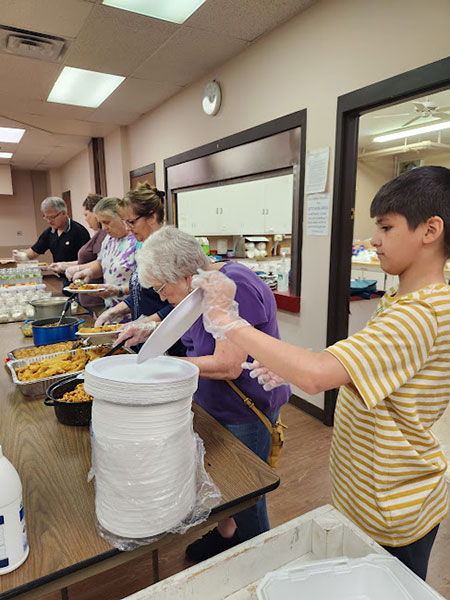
(420, 277)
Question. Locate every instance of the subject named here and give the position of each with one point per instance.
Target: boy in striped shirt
(387, 467)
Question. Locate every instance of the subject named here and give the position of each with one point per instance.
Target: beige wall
(333, 48)
(76, 177)
(370, 176)
(18, 214)
(116, 163)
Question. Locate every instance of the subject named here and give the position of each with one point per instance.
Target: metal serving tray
(39, 387)
(12, 353)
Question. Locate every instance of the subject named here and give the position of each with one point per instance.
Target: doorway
(413, 84)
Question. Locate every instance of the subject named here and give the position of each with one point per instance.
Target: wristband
(120, 293)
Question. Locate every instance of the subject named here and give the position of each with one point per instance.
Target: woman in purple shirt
(167, 261)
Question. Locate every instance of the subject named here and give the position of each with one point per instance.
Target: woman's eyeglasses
(131, 222)
(160, 289)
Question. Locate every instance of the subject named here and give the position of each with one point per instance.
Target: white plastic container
(13, 537)
(283, 275)
(372, 577)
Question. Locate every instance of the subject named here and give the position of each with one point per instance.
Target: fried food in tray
(66, 362)
(99, 329)
(47, 349)
(78, 394)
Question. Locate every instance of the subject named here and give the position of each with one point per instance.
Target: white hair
(169, 254)
(107, 206)
(53, 202)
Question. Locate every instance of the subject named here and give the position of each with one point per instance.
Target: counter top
(53, 461)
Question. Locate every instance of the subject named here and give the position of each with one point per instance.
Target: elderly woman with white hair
(167, 261)
(116, 259)
(63, 237)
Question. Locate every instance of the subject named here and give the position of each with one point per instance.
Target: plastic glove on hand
(58, 267)
(81, 274)
(107, 317)
(19, 255)
(266, 378)
(220, 310)
(71, 270)
(136, 333)
(108, 291)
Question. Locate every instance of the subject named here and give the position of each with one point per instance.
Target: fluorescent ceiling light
(409, 132)
(83, 88)
(12, 135)
(176, 11)
(6, 154)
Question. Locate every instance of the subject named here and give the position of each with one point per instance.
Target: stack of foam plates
(144, 450)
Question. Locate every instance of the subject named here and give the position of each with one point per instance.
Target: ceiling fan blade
(391, 116)
(444, 108)
(411, 121)
(419, 106)
(442, 116)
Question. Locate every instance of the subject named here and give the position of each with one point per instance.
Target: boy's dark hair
(418, 195)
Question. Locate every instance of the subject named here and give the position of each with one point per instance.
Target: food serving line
(53, 461)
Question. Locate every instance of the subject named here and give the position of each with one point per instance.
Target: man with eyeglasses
(63, 236)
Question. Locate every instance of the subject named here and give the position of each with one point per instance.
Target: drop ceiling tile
(245, 20)
(190, 54)
(27, 77)
(56, 110)
(63, 19)
(116, 41)
(116, 116)
(139, 95)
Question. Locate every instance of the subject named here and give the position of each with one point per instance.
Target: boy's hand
(266, 378)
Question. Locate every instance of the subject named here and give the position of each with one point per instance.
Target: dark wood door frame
(430, 78)
(143, 171)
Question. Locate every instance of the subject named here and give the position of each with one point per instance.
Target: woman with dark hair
(86, 253)
(142, 211)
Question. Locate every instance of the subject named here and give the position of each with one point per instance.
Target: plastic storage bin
(373, 577)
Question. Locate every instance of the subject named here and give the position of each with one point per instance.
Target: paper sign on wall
(316, 173)
(318, 214)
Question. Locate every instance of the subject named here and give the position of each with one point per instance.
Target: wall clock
(212, 97)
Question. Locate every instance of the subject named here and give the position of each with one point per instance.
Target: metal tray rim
(26, 387)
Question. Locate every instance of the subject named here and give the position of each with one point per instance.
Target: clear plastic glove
(80, 274)
(266, 378)
(136, 332)
(19, 256)
(108, 317)
(220, 310)
(71, 270)
(108, 291)
(58, 267)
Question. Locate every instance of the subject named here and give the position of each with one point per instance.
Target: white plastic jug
(13, 536)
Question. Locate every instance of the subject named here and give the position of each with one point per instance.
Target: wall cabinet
(250, 207)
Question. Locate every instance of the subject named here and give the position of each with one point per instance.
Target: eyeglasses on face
(51, 217)
(131, 222)
(160, 289)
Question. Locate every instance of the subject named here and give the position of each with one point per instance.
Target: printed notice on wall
(318, 214)
(316, 173)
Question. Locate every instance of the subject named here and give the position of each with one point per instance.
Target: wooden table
(53, 461)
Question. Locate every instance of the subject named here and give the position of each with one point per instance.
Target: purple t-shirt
(88, 253)
(257, 306)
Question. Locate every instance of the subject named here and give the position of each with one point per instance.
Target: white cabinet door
(278, 202)
(242, 209)
(198, 213)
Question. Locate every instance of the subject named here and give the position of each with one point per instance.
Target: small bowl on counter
(68, 413)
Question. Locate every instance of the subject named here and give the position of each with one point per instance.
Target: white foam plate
(81, 291)
(173, 326)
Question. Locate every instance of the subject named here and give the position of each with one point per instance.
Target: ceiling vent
(32, 44)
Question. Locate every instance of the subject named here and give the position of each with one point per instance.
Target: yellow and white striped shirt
(386, 465)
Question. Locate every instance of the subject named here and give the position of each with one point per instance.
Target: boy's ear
(434, 229)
